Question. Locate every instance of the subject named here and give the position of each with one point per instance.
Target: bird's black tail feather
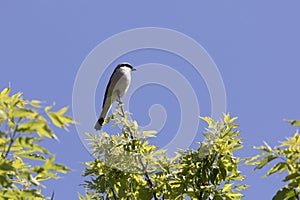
(99, 124)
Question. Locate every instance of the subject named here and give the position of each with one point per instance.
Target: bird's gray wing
(108, 97)
(110, 87)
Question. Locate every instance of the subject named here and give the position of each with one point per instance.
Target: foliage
(126, 166)
(24, 162)
(287, 155)
(294, 122)
(211, 171)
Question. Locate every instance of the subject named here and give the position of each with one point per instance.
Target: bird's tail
(105, 110)
(99, 124)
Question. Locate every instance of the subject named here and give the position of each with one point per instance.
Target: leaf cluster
(24, 162)
(123, 162)
(127, 166)
(211, 171)
(287, 157)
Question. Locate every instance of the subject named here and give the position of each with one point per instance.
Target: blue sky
(255, 45)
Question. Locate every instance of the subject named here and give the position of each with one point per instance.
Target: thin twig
(124, 116)
(144, 168)
(114, 194)
(147, 177)
(52, 196)
(122, 110)
(296, 195)
(12, 139)
(121, 105)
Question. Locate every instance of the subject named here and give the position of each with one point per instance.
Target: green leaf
(226, 118)
(281, 194)
(46, 131)
(208, 120)
(265, 161)
(56, 120)
(151, 133)
(35, 103)
(5, 166)
(18, 163)
(233, 119)
(62, 111)
(34, 181)
(4, 182)
(16, 99)
(50, 165)
(31, 194)
(4, 141)
(242, 187)
(291, 177)
(47, 108)
(24, 112)
(223, 171)
(4, 92)
(26, 142)
(33, 156)
(81, 197)
(159, 152)
(268, 148)
(31, 126)
(59, 119)
(226, 187)
(255, 159)
(281, 166)
(2, 114)
(294, 122)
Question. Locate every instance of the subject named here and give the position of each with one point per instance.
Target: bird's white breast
(122, 85)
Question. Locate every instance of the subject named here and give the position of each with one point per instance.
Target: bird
(116, 88)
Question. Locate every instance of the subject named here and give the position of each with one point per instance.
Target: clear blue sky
(255, 45)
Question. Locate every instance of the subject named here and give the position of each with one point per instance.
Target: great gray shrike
(117, 86)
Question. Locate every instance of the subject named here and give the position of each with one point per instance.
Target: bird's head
(126, 67)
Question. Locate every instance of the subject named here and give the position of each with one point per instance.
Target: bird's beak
(133, 69)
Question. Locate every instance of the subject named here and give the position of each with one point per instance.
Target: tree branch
(114, 194)
(296, 195)
(144, 168)
(12, 139)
